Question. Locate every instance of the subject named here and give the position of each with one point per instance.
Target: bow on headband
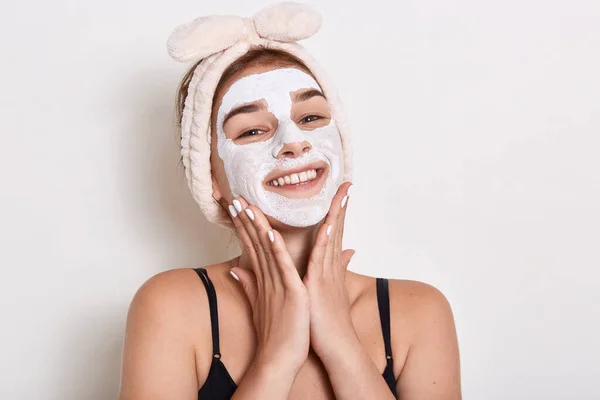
(204, 36)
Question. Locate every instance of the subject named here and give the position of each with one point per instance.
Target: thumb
(248, 281)
(346, 257)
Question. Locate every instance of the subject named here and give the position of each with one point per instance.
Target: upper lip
(279, 173)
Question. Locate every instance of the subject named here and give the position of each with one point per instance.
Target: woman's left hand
(325, 280)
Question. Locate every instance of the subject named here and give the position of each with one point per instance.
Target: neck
(299, 244)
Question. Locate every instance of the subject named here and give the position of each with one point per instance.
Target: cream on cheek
(247, 165)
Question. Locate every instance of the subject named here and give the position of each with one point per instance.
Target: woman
(285, 319)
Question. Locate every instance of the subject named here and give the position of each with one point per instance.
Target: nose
(294, 149)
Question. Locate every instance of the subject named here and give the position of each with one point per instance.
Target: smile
(294, 178)
(299, 179)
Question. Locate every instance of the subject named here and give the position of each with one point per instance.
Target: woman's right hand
(278, 297)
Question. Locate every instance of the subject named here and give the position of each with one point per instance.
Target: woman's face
(275, 144)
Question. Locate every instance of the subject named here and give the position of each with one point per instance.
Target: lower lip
(301, 185)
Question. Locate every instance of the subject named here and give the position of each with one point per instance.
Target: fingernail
(328, 230)
(250, 213)
(237, 205)
(344, 201)
(271, 236)
(232, 211)
(349, 189)
(234, 275)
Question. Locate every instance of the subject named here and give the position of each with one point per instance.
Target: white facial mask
(247, 165)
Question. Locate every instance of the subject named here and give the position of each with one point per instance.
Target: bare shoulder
(164, 318)
(165, 292)
(432, 366)
(172, 294)
(174, 302)
(417, 296)
(424, 304)
(403, 292)
(414, 305)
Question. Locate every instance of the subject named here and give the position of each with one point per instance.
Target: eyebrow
(309, 94)
(254, 107)
(244, 109)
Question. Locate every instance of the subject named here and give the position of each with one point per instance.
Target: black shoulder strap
(383, 301)
(212, 304)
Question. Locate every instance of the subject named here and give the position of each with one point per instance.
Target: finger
(255, 244)
(262, 227)
(317, 255)
(281, 264)
(346, 256)
(342, 221)
(234, 211)
(320, 252)
(336, 212)
(338, 203)
(289, 273)
(248, 281)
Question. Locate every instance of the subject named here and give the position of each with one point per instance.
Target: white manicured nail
(349, 189)
(237, 205)
(328, 230)
(344, 201)
(271, 236)
(234, 275)
(250, 213)
(232, 211)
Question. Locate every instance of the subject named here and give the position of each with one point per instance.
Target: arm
(350, 369)
(352, 373)
(265, 380)
(432, 368)
(158, 353)
(158, 358)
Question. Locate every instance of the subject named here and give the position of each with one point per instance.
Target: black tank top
(220, 386)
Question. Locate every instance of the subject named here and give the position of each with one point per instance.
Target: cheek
(247, 163)
(327, 139)
(217, 169)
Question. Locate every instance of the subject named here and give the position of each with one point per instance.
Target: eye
(309, 119)
(252, 132)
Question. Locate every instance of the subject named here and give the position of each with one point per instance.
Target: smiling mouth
(311, 176)
(295, 178)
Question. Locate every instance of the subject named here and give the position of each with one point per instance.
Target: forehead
(274, 86)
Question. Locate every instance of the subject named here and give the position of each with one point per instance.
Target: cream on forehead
(272, 86)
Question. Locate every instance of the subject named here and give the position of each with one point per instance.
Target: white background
(476, 128)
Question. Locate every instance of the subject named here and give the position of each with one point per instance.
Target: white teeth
(294, 178)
